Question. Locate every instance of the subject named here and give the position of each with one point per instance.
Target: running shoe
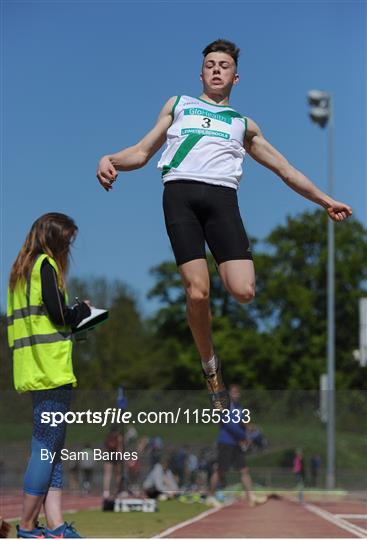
(66, 530)
(37, 532)
(218, 393)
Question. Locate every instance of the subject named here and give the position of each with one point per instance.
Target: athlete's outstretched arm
(263, 152)
(138, 155)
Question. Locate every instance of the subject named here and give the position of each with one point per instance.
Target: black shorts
(196, 212)
(230, 456)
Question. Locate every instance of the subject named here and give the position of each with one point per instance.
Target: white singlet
(204, 143)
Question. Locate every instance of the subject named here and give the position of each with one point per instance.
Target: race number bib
(203, 122)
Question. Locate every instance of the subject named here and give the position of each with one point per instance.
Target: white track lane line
(351, 516)
(190, 521)
(339, 522)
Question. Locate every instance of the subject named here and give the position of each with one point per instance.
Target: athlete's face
(219, 73)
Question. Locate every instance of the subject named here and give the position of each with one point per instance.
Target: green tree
(279, 341)
(292, 296)
(117, 352)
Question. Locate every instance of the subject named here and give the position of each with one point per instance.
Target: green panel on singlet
(207, 132)
(231, 114)
(182, 152)
(196, 111)
(175, 105)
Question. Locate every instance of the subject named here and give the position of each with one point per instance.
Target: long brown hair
(52, 234)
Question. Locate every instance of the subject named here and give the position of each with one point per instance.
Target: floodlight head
(320, 111)
(318, 98)
(319, 115)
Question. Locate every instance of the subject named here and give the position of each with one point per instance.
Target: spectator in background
(299, 472)
(155, 446)
(160, 482)
(192, 466)
(73, 475)
(177, 464)
(133, 472)
(207, 462)
(315, 465)
(113, 443)
(86, 466)
(131, 436)
(232, 444)
(298, 467)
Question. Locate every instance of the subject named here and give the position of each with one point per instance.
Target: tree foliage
(277, 342)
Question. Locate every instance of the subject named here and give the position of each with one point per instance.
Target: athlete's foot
(218, 393)
(37, 532)
(66, 530)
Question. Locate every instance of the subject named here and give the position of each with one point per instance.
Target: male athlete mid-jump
(201, 169)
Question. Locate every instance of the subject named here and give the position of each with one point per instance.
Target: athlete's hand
(338, 211)
(106, 173)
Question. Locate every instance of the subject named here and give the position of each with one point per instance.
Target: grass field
(283, 438)
(95, 523)
(288, 421)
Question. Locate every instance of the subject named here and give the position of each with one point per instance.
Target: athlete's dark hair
(223, 45)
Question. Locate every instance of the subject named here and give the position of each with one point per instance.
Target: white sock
(211, 365)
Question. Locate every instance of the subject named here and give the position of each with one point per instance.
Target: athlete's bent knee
(245, 296)
(197, 294)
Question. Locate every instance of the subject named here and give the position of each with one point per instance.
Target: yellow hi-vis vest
(42, 351)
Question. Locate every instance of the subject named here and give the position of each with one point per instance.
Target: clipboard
(97, 317)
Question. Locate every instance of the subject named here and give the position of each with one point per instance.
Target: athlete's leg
(239, 279)
(52, 504)
(40, 472)
(32, 505)
(227, 239)
(183, 210)
(195, 277)
(52, 507)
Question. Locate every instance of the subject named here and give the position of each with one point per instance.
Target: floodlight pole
(322, 113)
(330, 428)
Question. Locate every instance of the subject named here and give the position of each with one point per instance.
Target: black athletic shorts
(230, 456)
(196, 212)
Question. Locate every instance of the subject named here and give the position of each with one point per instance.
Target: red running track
(11, 503)
(280, 518)
(275, 519)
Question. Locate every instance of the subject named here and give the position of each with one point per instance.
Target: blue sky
(81, 79)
